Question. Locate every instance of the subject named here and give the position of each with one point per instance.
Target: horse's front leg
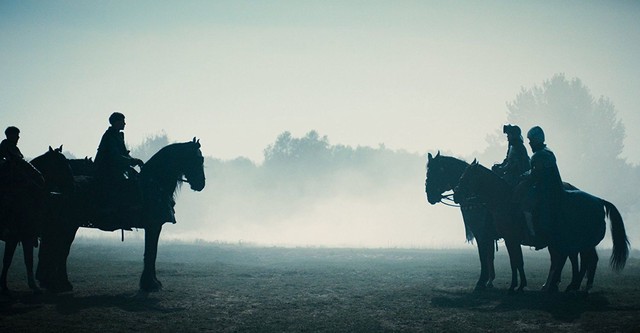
(517, 265)
(27, 249)
(555, 271)
(148, 280)
(485, 253)
(9, 249)
(576, 277)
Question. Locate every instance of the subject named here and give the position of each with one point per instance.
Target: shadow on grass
(133, 302)
(562, 306)
(19, 303)
(24, 302)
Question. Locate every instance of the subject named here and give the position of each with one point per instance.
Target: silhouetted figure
(546, 187)
(116, 179)
(9, 156)
(9, 147)
(517, 160)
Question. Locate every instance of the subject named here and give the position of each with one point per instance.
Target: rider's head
(116, 120)
(535, 136)
(513, 132)
(13, 134)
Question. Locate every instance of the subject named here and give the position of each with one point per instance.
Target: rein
(448, 197)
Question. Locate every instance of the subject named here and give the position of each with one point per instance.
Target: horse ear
(429, 156)
(194, 139)
(50, 149)
(59, 150)
(475, 161)
(438, 154)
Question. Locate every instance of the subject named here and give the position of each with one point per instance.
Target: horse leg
(484, 265)
(27, 250)
(53, 254)
(517, 265)
(9, 249)
(148, 280)
(553, 259)
(62, 276)
(555, 272)
(491, 255)
(576, 275)
(592, 265)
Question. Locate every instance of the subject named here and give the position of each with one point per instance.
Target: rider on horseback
(546, 185)
(9, 147)
(517, 161)
(115, 175)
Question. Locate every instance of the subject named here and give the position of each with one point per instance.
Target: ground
(237, 288)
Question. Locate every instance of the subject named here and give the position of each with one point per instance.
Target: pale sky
(414, 75)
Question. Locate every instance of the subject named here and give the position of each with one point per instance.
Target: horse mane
(453, 162)
(493, 184)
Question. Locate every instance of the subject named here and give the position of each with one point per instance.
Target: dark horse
(443, 173)
(159, 178)
(29, 195)
(581, 228)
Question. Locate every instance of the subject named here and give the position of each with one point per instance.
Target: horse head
(55, 169)
(193, 167)
(442, 175)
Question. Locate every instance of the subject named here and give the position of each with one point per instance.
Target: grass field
(232, 288)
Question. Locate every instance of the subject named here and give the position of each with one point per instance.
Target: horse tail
(619, 237)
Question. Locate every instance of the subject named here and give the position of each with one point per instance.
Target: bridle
(448, 197)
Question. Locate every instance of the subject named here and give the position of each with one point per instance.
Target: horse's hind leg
(592, 265)
(9, 249)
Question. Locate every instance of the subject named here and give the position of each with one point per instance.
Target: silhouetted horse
(581, 227)
(443, 173)
(30, 196)
(159, 179)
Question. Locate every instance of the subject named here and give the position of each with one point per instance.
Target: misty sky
(414, 75)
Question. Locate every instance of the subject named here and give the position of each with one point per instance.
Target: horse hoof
(63, 287)
(150, 288)
(150, 285)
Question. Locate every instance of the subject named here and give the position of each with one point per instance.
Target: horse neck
(53, 181)
(455, 170)
(492, 189)
(30, 172)
(164, 172)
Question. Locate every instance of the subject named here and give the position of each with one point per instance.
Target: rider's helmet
(536, 135)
